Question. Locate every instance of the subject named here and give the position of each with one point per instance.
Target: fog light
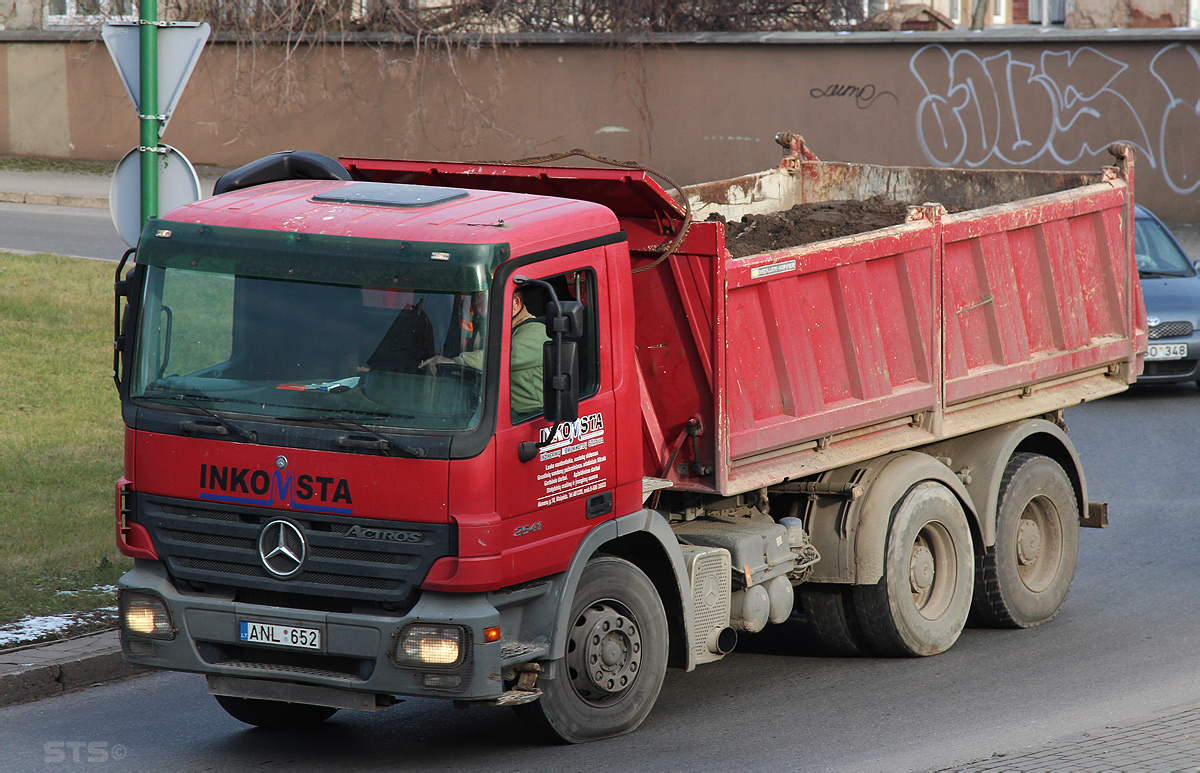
(430, 645)
(145, 615)
(441, 680)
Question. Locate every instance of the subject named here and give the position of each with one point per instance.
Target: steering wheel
(455, 370)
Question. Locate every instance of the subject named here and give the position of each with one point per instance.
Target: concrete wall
(20, 14)
(1106, 14)
(1052, 100)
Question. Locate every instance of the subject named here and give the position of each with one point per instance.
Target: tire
(920, 605)
(829, 612)
(618, 628)
(1023, 580)
(274, 714)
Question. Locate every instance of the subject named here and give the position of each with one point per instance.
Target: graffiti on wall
(1064, 106)
(863, 96)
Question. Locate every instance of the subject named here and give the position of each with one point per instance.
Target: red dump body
(814, 357)
(1022, 302)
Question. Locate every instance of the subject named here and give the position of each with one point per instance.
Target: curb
(42, 671)
(55, 199)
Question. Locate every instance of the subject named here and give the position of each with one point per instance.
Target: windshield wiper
(1152, 274)
(192, 426)
(376, 441)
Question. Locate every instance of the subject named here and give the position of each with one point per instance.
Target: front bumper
(356, 651)
(1173, 371)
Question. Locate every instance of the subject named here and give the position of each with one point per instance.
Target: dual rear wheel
(934, 580)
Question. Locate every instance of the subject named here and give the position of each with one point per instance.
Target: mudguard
(647, 522)
(980, 459)
(851, 532)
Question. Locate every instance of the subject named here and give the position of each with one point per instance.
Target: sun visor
(345, 260)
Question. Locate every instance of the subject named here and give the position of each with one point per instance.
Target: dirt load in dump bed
(808, 223)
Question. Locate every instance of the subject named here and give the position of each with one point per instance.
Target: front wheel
(615, 660)
(920, 605)
(274, 714)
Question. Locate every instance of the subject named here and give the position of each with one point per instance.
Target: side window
(198, 319)
(529, 333)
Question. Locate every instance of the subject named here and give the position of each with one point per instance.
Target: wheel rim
(604, 653)
(1039, 544)
(932, 571)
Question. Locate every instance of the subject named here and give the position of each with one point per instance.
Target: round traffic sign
(178, 184)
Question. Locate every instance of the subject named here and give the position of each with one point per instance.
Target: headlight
(145, 615)
(439, 646)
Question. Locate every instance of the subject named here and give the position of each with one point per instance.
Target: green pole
(148, 61)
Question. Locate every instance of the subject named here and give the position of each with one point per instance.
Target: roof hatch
(390, 195)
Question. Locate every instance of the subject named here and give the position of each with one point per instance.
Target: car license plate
(1166, 351)
(280, 635)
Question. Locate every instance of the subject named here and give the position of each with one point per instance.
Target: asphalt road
(84, 233)
(1123, 648)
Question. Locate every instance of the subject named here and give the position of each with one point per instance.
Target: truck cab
(331, 458)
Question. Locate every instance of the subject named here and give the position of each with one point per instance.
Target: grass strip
(61, 432)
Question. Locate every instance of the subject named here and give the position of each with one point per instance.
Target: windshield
(284, 349)
(1156, 251)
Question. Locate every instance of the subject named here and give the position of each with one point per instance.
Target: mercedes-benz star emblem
(282, 548)
(281, 462)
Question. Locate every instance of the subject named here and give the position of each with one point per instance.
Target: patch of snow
(31, 629)
(93, 589)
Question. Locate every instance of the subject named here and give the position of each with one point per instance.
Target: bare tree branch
(317, 18)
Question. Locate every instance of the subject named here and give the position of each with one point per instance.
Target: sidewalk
(42, 670)
(1168, 741)
(73, 189)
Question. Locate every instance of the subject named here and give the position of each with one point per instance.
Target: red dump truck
(529, 435)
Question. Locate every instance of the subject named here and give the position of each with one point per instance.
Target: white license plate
(280, 635)
(1166, 351)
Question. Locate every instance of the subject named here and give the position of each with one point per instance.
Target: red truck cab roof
(421, 213)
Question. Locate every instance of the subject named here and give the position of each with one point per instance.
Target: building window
(1057, 8)
(81, 13)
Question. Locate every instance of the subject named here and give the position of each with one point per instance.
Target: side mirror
(565, 317)
(560, 370)
(127, 287)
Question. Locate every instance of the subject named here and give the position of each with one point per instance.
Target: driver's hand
(433, 362)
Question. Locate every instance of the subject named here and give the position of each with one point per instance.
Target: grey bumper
(356, 652)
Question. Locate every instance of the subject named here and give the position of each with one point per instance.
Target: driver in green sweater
(525, 361)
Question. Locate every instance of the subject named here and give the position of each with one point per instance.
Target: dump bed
(1021, 301)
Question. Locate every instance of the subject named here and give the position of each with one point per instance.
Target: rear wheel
(615, 661)
(829, 611)
(274, 714)
(920, 605)
(1023, 579)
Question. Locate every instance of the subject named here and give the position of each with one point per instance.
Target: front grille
(218, 545)
(1169, 368)
(1170, 330)
(244, 570)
